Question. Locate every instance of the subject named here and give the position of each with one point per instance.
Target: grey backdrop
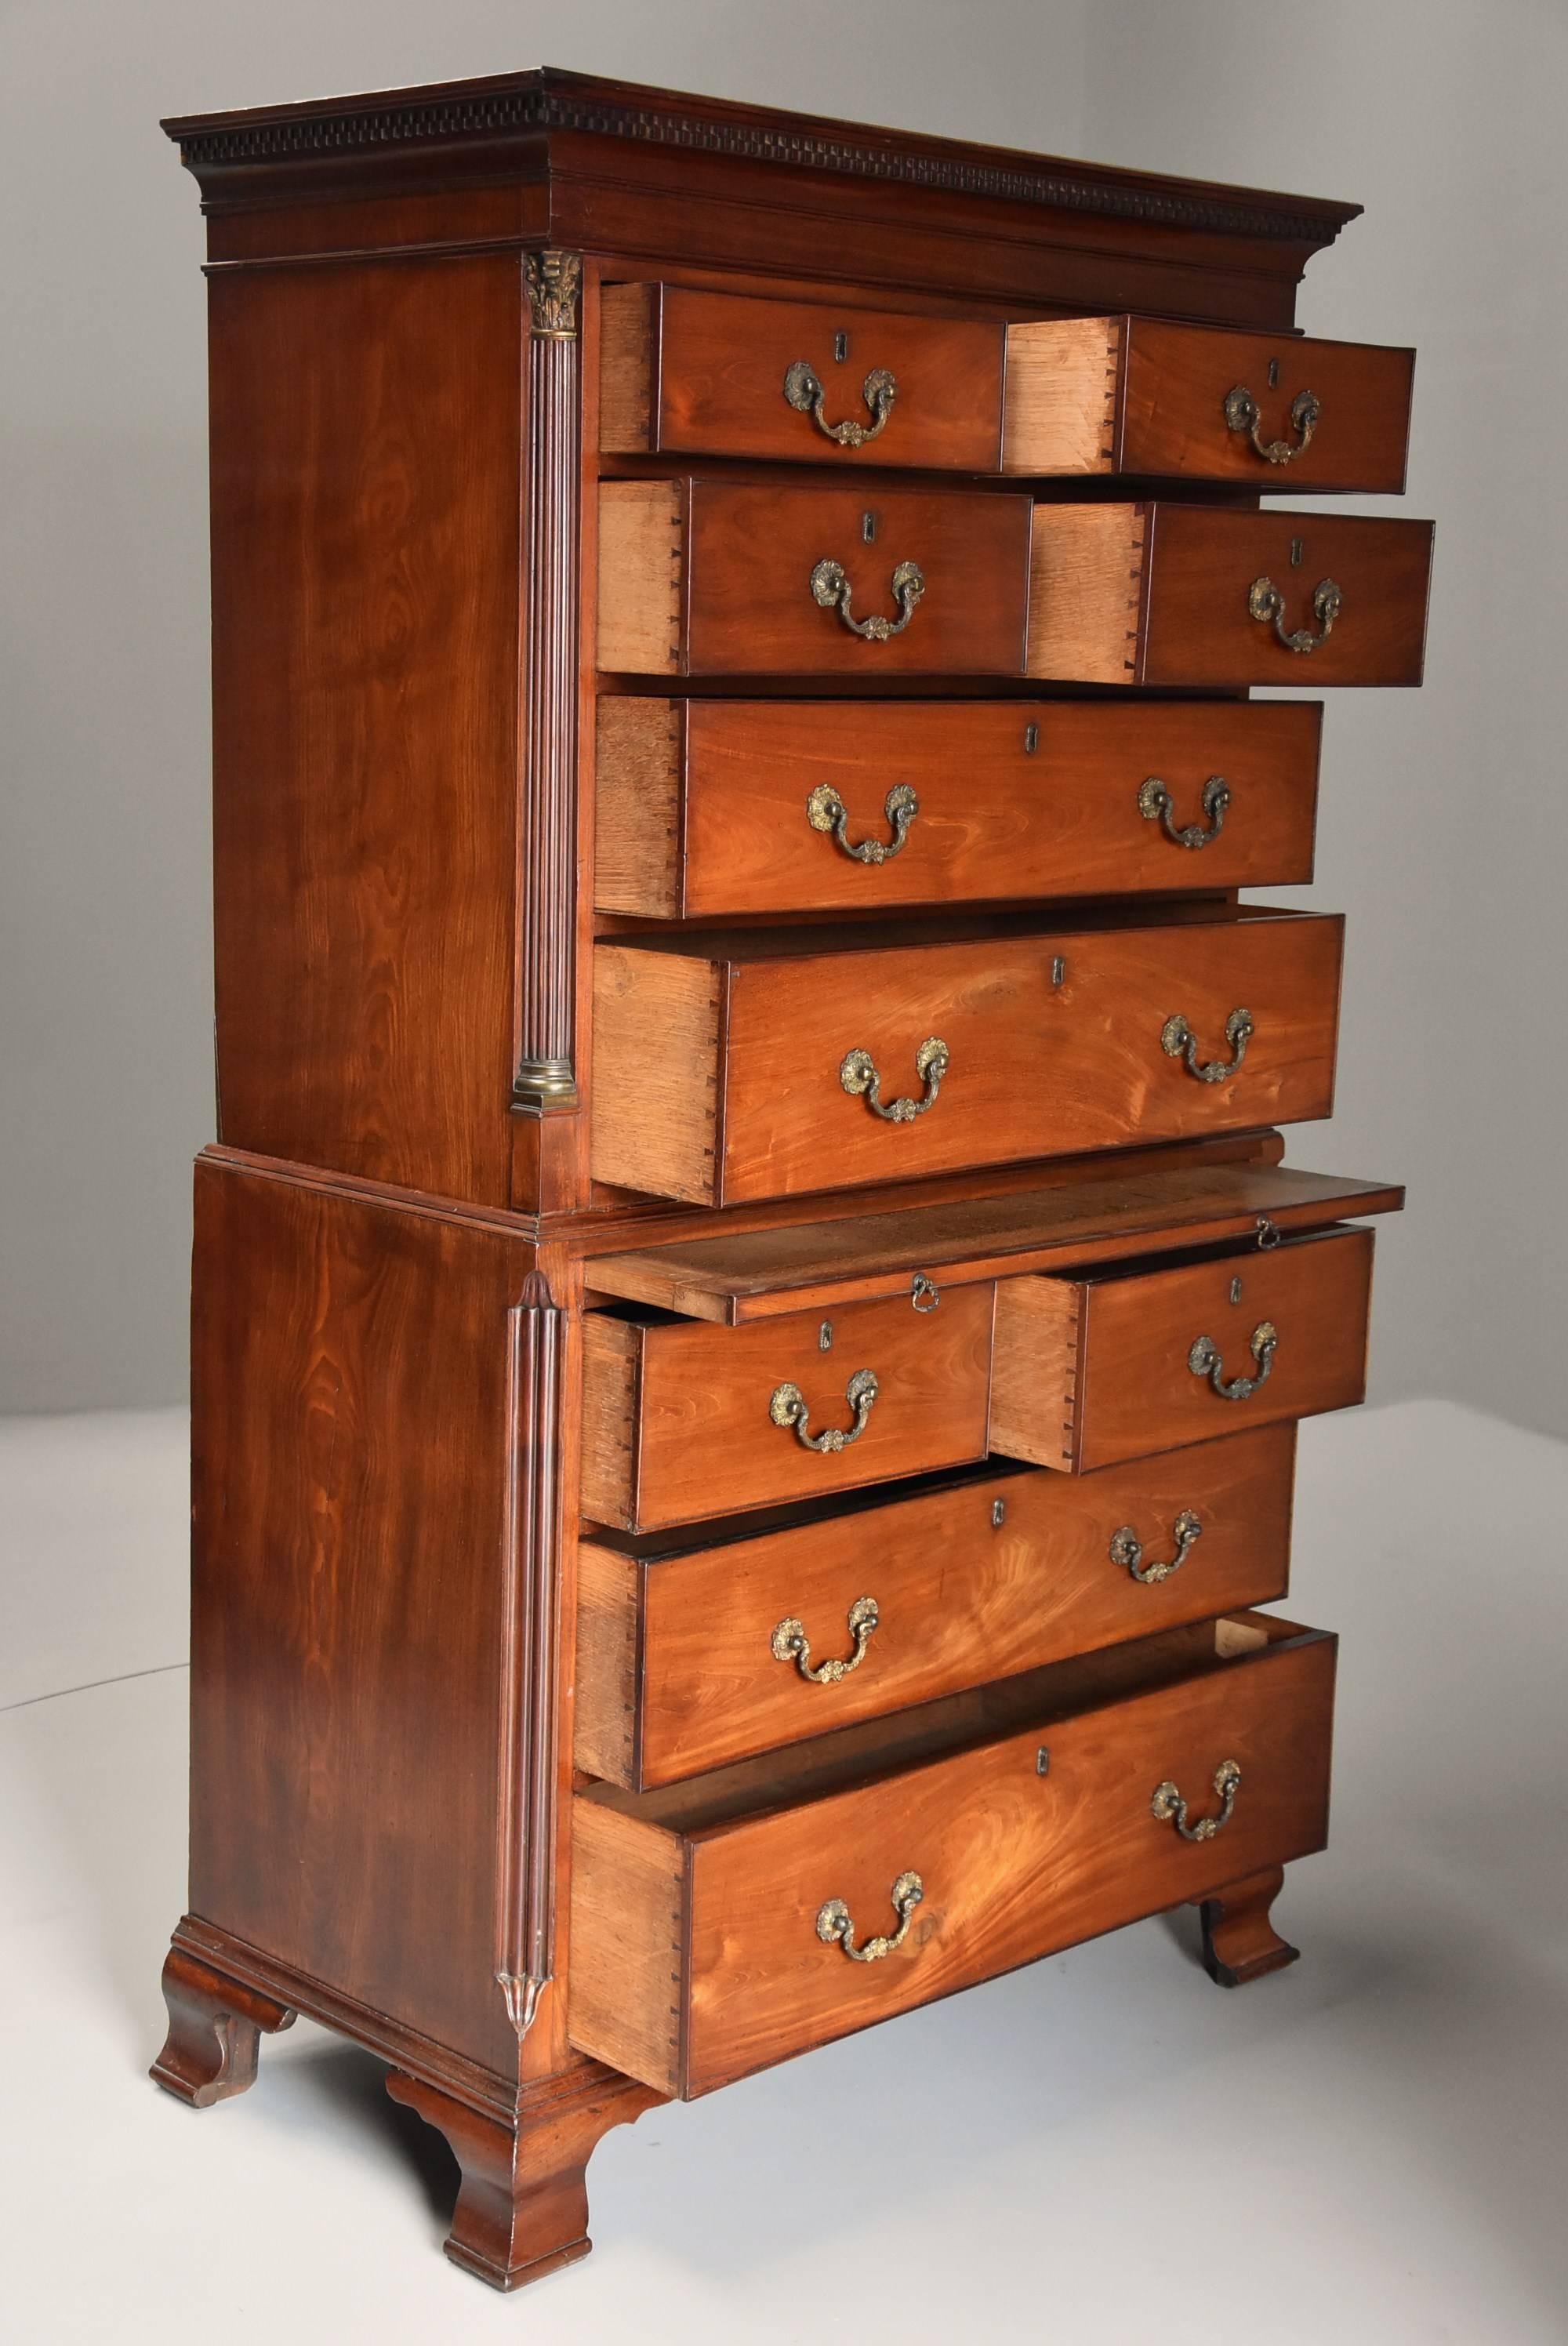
(1443, 823)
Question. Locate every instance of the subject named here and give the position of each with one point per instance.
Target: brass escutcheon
(803, 389)
(1242, 414)
(833, 1922)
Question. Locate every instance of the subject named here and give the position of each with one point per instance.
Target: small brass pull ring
(1127, 1549)
(786, 1407)
(1205, 1361)
(1267, 604)
(833, 1922)
(824, 812)
(1169, 1808)
(1242, 414)
(830, 586)
(1178, 1041)
(789, 1643)
(1155, 804)
(858, 1074)
(803, 389)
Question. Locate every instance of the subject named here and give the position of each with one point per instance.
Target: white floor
(1102, 2151)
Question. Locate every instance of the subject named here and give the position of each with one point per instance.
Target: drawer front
(1278, 415)
(1013, 1864)
(981, 1052)
(694, 1660)
(1202, 595)
(683, 1420)
(708, 808)
(1138, 395)
(709, 579)
(1089, 1372)
(721, 374)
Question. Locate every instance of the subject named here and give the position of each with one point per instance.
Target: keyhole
(1273, 374)
(825, 1335)
(841, 352)
(1058, 969)
(1031, 739)
(1235, 1290)
(868, 526)
(1298, 548)
(998, 1514)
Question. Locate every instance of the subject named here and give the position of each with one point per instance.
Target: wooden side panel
(1061, 413)
(612, 1389)
(1137, 1392)
(707, 1445)
(1084, 589)
(982, 1580)
(1204, 561)
(1173, 409)
(624, 2004)
(352, 1441)
(1035, 1368)
(366, 499)
(627, 346)
(657, 1044)
(1014, 1863)
(608, 1606)
(642, 538)
(637, 813)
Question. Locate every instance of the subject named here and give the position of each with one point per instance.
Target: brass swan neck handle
(1169, 1808)
(1267, 604)
(824, 810)
(788, 1407)
(830, 586)
(834, 1925)
(1242, 413)
(1205, 1360)
(803, 389)
(789, 1643)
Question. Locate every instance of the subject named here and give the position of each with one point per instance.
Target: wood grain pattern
(1182, 1199)
(979, 1579)
(1110, 1381)
(701, 1441)
(658, 1036)
(1014, 1863)
(702, 805)
(1177, 379)
(1062, 377)
(706, 377)
(1086, 569)
(1037, 1066)
(366, 501)
(744, 557)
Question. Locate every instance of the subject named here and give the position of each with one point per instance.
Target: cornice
(488, 112)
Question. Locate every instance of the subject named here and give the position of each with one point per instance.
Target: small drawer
(1207, 596)
(682, 1420)
(712, 1924)
(1139, 395)
(1126, 1362)
(721, 374)
(718, 578)
(690, 1657)
(769, 1064)
(706, 809)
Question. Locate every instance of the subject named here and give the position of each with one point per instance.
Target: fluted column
(545, 1077)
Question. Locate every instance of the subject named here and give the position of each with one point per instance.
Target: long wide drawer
(690, 1656)
(683, 1420)
(1205, 595)
(706, 809)
(726, 579)
(688, 372)
(765, 1065)
(1136, 1358)
(712, 1922)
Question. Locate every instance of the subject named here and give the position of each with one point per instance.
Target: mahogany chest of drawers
(750, 1322)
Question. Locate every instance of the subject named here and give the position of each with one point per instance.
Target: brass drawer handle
(789, 1644)
(1242, 414)
(1127, 1548)
(803, 389)
(1155, 806)
(833, 1922)
(1267, 603)
(1204, 1360)
(859, 1078)
(832, 589)
(1178, 1041)
(824, 812)
(1169, 1807)
(788, 1407)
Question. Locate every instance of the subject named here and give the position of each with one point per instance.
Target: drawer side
(1059, 411)
(628, 1918)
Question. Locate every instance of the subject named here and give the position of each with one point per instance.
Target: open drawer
(714, 1926)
